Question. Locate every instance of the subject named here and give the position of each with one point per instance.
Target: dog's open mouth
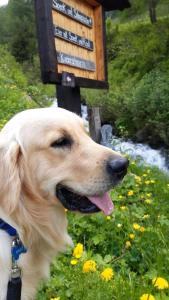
(74, 202)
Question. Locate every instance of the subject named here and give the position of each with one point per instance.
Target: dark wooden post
(152, 11)
(94, 123)
(69, 98)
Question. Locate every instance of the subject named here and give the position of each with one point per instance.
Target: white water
(142, 152)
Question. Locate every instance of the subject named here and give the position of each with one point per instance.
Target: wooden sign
(71, 12)
(71, 35)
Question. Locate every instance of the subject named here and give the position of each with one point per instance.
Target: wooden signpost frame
(69, 83)
(47, 49)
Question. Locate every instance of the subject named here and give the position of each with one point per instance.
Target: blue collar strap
(18, 248)
(8, 228)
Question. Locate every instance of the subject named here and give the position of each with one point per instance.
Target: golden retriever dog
(49, 163)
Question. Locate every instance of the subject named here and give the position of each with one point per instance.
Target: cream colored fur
(30, 169)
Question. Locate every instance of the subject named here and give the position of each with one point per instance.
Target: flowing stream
(142, 152)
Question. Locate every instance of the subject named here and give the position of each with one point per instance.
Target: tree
(152, 10)
(22, 29)
(139, 8)
(4, 21)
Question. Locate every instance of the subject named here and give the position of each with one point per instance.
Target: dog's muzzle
(116, 169)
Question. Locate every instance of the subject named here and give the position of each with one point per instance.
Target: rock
(106, 135)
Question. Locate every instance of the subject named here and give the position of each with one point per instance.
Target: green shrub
(17, 91)
(13, 84)
(150, 105)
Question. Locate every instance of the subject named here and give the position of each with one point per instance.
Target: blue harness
(15, 283)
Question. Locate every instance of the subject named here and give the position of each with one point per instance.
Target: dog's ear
(10, 185)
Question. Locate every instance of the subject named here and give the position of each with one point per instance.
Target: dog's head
(48, 160)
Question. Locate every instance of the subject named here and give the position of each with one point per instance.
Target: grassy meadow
(122, 256)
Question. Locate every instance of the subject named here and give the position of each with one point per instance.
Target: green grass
(104, 240)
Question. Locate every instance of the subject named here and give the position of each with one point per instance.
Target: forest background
(137, 103)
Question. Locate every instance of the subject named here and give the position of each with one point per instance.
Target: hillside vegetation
(138, 62)
(16, 92)
(138, 99)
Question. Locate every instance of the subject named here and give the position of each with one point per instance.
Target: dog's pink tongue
(103, 202)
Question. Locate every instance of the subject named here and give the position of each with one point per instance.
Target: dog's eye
(62, 142)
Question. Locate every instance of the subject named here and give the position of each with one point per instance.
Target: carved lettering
(72, 13)
(75, 62)
(73, 38)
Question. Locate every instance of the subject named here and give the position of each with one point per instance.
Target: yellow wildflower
(138, 178)
(13, 87)
(89, 266)
(130, 193)
(120, 197)
(146, 216)
(78, 250)
(144, 175)
(147, 297)
(152, 181)
(136, 226)
(123, 207)
(128, 244)
(168, 185)
(56, 298)
(148, 201)
(119, 225)
(132, 236)
(149, 195)
(108, 218)
(142, 229)
(147, 182)
(160, 283)
(74, 262)
(107, 274)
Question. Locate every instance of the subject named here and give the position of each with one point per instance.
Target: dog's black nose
(118, 166)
